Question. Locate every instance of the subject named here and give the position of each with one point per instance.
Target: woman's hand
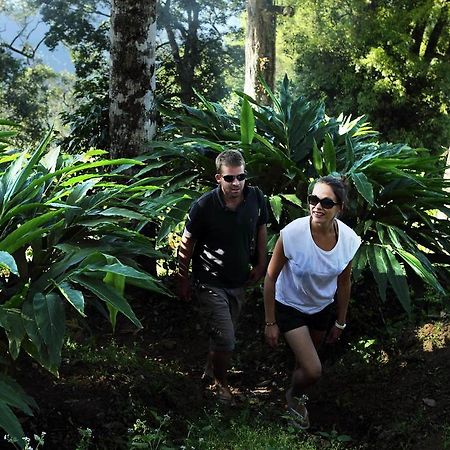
(272, 333)
(333, 335)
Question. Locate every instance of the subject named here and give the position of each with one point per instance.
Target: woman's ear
(341, 210)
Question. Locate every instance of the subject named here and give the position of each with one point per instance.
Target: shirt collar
(219, 194)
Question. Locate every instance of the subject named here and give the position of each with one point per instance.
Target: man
(225, 235)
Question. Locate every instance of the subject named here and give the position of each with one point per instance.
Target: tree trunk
(187, 60)
(260, 48)
(132, 79)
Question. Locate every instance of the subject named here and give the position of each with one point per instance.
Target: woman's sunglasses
(231, 178)
(326, 202)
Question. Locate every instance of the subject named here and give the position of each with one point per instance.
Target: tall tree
(260, 48)
(193, 48)
(389, 60)
(132, 78)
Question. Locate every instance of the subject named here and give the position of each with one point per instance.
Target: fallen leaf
(429, 402)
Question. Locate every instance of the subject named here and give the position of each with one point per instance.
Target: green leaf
(329, 154)
(108, 295)
(378, 264)
(117, 282)
(18, 173)
(247, 123)
(122, 212)
(277, 206)
(29, 228)
(10, 423)
(363, 186)
(317, 158)
(397, 279)
(425, 273)
(13, 397)
(36, 346)
(12, 321)
(293, 199)
(116, 268)
(50, 320)
(18, 298)
(73, 296)
(359, 261)
(8, 262)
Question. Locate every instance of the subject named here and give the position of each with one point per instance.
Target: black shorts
(289, 318)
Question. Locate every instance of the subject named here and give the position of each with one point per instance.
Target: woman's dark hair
(338, 186)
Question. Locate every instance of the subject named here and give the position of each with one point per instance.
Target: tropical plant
(396, 191)
(68, 236)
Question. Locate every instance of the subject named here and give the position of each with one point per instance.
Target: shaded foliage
(392, 205)
(68, 236)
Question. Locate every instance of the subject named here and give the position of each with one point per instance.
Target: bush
(397, 196)
(68, 235)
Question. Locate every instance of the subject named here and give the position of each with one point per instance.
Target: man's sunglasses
(326, 202)
(231, 178)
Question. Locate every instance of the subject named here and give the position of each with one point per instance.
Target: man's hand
(184, 289)
(256, 274)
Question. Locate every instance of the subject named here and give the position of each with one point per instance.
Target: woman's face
(319, 213)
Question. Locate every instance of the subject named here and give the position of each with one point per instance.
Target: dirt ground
(394, 395)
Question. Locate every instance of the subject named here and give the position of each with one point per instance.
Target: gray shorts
(220, 309)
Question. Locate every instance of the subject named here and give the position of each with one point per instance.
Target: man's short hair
(232, 158)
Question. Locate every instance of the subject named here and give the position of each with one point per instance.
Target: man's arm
(259, 269)
(185, 252)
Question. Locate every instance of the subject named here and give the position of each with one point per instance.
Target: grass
(214, 429)
(446, 437)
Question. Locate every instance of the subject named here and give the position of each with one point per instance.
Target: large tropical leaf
(50, 320)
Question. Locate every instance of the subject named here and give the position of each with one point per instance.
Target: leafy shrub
(396, 191)
(68, 235)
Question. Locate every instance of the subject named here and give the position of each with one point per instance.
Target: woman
(310, 267)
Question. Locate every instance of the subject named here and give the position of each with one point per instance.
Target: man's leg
(220, 364)
(219, 310)
(220, 358)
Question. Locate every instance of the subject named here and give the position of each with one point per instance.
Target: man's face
(229, 182)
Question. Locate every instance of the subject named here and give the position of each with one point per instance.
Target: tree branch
(29, 55)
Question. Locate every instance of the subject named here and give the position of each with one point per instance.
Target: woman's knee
(312, 372)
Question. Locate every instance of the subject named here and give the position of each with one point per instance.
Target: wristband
(270, 324)
(338, 325)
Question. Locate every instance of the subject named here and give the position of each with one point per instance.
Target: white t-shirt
(308, 280)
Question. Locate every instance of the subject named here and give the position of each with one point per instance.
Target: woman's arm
(276, 264)
(344, 284)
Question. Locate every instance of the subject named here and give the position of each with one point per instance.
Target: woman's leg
(308, 366)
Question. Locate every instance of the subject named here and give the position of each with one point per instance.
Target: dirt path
(395, 398)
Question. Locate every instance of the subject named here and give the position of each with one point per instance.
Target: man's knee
(222, 341)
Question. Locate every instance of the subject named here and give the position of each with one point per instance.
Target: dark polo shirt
(225, 239)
